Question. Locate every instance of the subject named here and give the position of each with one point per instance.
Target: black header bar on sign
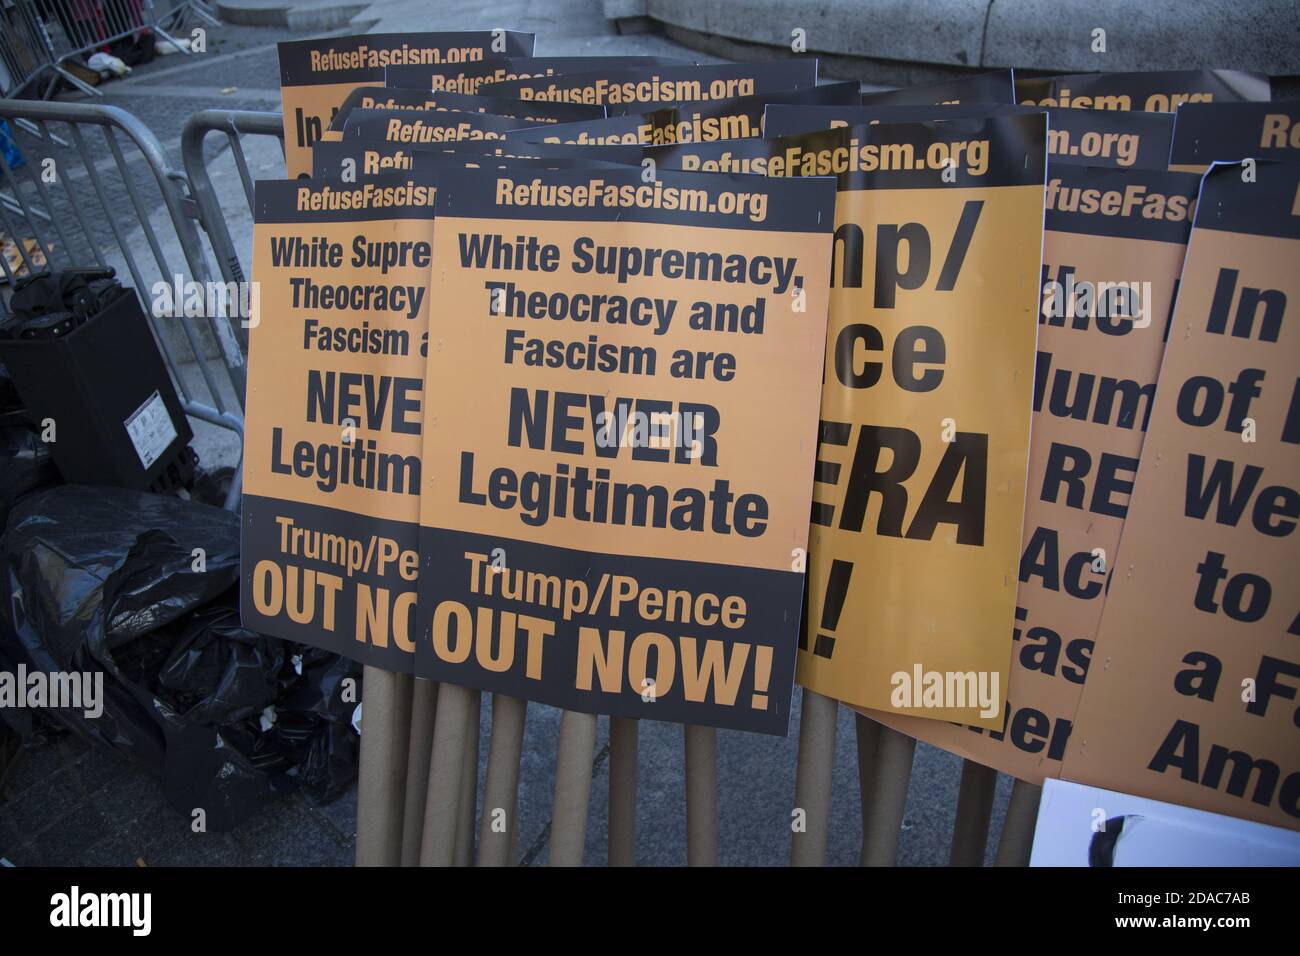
(633, 129)
(842, 95)
(1154, 92)
(1122, 203)
(470, 76)
(975, 151)
(1205, 133)
(674, 84)
(996, 86)
(403, 194)
(387, 98)
(1264, 203)
(782, 120)
(366, 56)
(673, 198)
(427, 127)
(373, 157)
(732, 156)
(1131, 140)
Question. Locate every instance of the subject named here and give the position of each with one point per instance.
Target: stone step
(299, 15)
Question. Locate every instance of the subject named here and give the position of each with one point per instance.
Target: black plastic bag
(124, 582)
(25, 465)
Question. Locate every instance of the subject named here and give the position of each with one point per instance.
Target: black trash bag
(10, 400)
(252, 717)
(219, 672)
(25, 465)
(78, 578)
(229, 718)
(315, 723)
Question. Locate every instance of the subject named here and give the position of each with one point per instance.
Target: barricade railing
(234, 125)
(26, 50)
(97, 189)
(62, 30)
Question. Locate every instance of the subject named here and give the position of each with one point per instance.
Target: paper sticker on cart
(151, 430)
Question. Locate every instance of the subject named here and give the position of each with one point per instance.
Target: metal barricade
(26, 50)
(97, 189)
(46, 34)
(235, 125)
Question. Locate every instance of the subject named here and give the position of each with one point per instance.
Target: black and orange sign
(316, 76)
(924, 436)
(1112, 254)
(332, 470)
(1195, 680)
(623, 382)
(1152, 92)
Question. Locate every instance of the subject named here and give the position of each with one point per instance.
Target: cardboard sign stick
(385, 719)
(884, 814)
(447, 764)
(622, 791)
(572, 788)
(812, 778)
(467, 806)
(701, 795)
(501, 787)
(1018, 830)
(424, 707)
(868, 734)
(970, 833)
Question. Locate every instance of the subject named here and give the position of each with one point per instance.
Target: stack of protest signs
(647, 389)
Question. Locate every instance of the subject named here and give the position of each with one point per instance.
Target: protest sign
(470, 77)
(1112, 254)
(317, 75)
(1193, 696)
(996, 86)
(632, 129)
(785, 120)
(1094, 137)
(924, 438)
(1125, 140)
(363, 157)
(1205, 133)
(417, 127)
(658, 85)
(358, 157)
(620, 505)
(1150, 92)
(751, 156)
(332, 439)
(383, 98)
(742, 116)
